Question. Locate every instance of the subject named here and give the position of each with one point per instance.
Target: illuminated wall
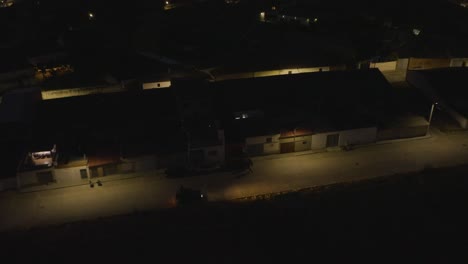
(54, 94)
(385, 66)
(157, 85)
(459, 62)
(272, 147)
(428, 63)
(255, 74)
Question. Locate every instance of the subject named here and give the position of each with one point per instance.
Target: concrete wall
(8, 184)
(271, 148)
(428, 63)
(402, 64)
(358, 136)
(261, 139)
(352, 137)
(302, 143)
(28, 178)
(218, 158)
(290, 71)
(54, 94)
(385, 66)
(69, 176)
(401, 132)
(256, 74)
(319, 141)
(458, 62)
(156, 85)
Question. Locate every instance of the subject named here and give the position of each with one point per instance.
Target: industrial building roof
(450, 86)
(317, 101)
(146, 119)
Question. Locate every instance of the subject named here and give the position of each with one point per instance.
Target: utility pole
(430, 116)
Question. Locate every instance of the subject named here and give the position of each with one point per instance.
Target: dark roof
(75, 79)
(266, 48)
(11, 61)
(326, 100)
(450, 86)
(132, 66)
(203, 137)
(19, 106)
(238, 131)
(133, 118)
(103, 155)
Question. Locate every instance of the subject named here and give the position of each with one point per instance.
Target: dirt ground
(413, 217)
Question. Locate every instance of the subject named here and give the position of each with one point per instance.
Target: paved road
(271, 174)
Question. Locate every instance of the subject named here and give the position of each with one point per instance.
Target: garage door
(332, 140)
(287, 147)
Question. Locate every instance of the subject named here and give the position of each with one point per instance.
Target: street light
(430, 116)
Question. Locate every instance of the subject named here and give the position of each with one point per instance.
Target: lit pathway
(271, 174)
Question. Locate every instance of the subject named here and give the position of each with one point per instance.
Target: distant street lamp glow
(167, 2)
(90, 15)
(416, 31)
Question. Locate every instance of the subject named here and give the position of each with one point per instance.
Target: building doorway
(332, 140)
(287, 147)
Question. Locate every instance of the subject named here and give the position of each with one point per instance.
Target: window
(159, 85)
(84, 174)
(269, 140)
(212, 153)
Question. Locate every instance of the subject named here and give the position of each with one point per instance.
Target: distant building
(310, 111)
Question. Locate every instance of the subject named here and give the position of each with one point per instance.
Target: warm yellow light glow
(262, 16)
